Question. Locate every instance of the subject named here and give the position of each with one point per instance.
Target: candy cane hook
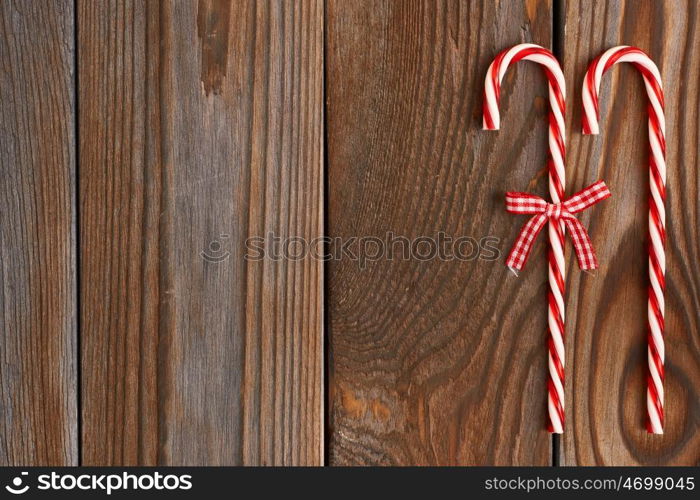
(557, 177)
(657, 213)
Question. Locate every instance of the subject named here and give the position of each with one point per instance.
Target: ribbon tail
(523, 244)
(585, 254)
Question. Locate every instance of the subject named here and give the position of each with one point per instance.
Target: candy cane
(557, 176)
(657, 214)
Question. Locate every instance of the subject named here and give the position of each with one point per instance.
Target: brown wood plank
(38, 378)
(200, 127)
(607, 369)
(434, 362)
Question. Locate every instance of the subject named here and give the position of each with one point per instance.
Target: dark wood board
(607, 314)
(201, 125)
(434, 362)
(38, 365)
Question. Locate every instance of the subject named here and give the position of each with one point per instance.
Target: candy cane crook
(557, 179)
(657, 214)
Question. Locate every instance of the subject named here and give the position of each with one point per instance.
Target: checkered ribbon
(525, 203)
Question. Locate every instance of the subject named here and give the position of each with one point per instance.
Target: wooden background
(142, 143)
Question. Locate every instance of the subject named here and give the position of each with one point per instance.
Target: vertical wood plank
(38, 377)
(201, 127)
(434, 361)
(606, 399)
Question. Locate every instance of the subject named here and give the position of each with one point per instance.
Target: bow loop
(586, 197)
(526, 203)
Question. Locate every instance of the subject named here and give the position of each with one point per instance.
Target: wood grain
(434, 361)
(606, 400)
(200, 127)
(38, 396)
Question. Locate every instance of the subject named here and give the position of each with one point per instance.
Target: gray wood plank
(38, 358)
(201, 127)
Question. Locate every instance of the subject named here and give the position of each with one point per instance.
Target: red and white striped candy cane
(657, 214)
(557, 179)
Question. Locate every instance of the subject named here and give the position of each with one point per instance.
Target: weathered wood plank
(38, 377)
(437, 361)
(607, 369)
(201, 126)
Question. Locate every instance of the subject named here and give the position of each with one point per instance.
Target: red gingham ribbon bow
(525, 203)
